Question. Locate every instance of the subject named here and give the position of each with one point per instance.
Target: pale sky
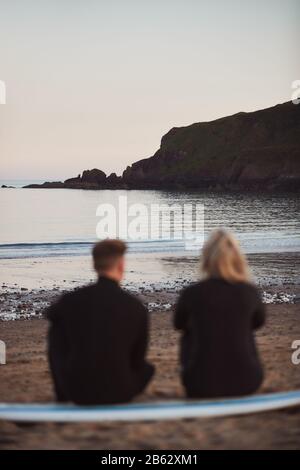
(96, 83)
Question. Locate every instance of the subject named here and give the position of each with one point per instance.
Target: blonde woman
(217, 317)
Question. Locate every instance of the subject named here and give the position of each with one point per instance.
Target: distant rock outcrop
(246, 151)
(90, 179)
(47, 184)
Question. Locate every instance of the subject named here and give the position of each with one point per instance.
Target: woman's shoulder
(206, 284)
(249, 290)
(195, 287)
(201, 285)
(246, 286)
(189, 290)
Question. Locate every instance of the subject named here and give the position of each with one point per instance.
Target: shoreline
(27, 285)
(20, 303)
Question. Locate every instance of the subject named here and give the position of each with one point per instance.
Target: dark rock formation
(47, 184)
(93, 176)
(246, 151)
(114, 181)
(255, 151)
(90, 179)
(73, 181)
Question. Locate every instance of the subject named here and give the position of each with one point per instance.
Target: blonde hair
(223, 258)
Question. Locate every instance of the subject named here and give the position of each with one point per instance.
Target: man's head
(108, 257)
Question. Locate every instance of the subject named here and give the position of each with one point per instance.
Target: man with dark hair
(98, 337)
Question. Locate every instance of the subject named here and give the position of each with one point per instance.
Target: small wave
(33, 250)
(254, 242)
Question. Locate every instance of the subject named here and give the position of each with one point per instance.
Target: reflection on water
(63, 222)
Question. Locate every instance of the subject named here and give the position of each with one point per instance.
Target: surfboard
(148, 411)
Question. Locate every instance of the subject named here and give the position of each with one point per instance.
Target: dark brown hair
(106, 253)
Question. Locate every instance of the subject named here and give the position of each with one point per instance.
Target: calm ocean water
(53, 222)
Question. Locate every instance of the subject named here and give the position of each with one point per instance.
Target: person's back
(97, 344)
(218, 352)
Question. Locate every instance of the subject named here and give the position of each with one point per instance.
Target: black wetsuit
(98, 339)
(218, 352)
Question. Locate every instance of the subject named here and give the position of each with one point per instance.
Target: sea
(47, 234)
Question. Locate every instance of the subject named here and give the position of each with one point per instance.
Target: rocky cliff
(247, 151)
(257, 150)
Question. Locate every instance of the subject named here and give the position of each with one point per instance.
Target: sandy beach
(25, 378)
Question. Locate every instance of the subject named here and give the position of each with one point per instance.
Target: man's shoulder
(132, 300)
(78, 292)
(69, 301)
(74, 296)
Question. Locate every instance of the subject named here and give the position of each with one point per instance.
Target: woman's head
(222, 258)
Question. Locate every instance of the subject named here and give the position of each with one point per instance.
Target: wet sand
(29, 284)
(25, 378)
(144, 271)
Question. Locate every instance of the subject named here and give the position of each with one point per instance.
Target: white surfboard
(148, 411)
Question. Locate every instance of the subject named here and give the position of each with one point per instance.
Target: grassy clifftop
(247, 150)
